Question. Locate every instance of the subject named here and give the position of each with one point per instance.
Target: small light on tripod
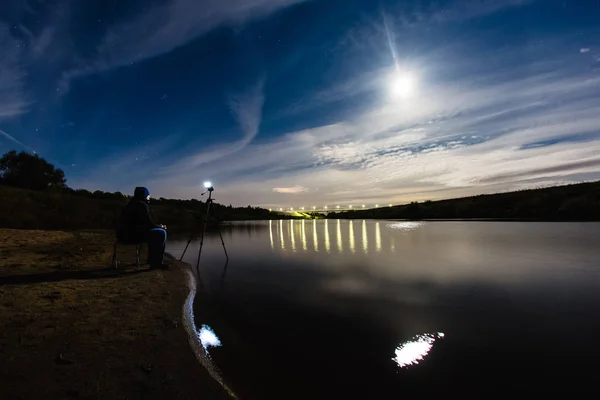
(207, 184)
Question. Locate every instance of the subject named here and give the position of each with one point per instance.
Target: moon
(402, 85)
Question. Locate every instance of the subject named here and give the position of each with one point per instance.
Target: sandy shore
(72, 327)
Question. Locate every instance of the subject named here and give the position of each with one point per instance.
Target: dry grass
(73, 327)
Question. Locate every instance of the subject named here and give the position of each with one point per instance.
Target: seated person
(136, 226)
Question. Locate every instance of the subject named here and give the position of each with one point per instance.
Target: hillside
(579, 202)
(60, 209)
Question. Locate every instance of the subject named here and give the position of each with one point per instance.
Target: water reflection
(294, 230)
(405, 226)
(303, 236)
(208, 338)
(415, 350)
(327, 247)
(339, 237)
(315, 237)
(351, 237)
(377, 237)
(365, 239)
(292, 239)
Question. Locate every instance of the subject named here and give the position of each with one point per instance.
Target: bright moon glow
(208, 338)
(411, 352)
(207, 184)
(402, 85)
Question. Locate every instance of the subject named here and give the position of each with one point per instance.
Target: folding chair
(138, 249)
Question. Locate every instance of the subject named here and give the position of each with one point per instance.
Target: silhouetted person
(136, 226)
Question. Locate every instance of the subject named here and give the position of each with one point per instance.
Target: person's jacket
(135, 222)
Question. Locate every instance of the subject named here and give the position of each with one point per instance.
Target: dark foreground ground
(72, 327)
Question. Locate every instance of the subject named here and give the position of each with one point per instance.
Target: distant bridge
(323, 210)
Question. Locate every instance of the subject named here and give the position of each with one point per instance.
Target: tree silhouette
(30, 172)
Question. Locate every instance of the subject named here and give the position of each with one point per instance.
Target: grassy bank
(31, 209)
(580, 202)
(73, 328)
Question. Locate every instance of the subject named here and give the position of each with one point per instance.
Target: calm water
(385, 309)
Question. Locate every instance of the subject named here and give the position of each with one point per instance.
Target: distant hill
(579, 202)
(81, 209)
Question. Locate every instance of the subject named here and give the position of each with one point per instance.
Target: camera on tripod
(209, 187)
(210, 209)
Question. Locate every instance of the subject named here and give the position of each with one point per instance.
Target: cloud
(290, 190)
(167, 26)
(455, 138)
(493, 120)
(13, 101)
(246, 108)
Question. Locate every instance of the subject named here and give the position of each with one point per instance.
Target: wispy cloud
(290, 190)
(246, 108)
(167, 26)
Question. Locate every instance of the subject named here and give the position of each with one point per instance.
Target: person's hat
(141, 192)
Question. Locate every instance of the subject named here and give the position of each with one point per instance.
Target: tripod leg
(208, 204)
(219, 229)
(186, 247)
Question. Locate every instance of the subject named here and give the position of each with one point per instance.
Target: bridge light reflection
(315, 237)
(339, 237)
(377, 237)
(281, 239)
(365, 239)
(327, 245)
(351, 238)
(292, 238)
(303, 237)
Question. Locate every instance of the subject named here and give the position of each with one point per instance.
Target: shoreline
(75, 327)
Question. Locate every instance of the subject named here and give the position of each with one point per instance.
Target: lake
(399, 309)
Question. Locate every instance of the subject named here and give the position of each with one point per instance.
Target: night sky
(290, 103)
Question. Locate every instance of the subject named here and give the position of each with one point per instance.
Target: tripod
(209, 206)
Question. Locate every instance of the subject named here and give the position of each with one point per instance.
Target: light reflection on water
(281, 240)
(292, 235)
(327, 245)
(303, 237)
(415, 350)
(315, 237)
(351, 237)
(296, 230)
(339, 237)
(271, 234)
